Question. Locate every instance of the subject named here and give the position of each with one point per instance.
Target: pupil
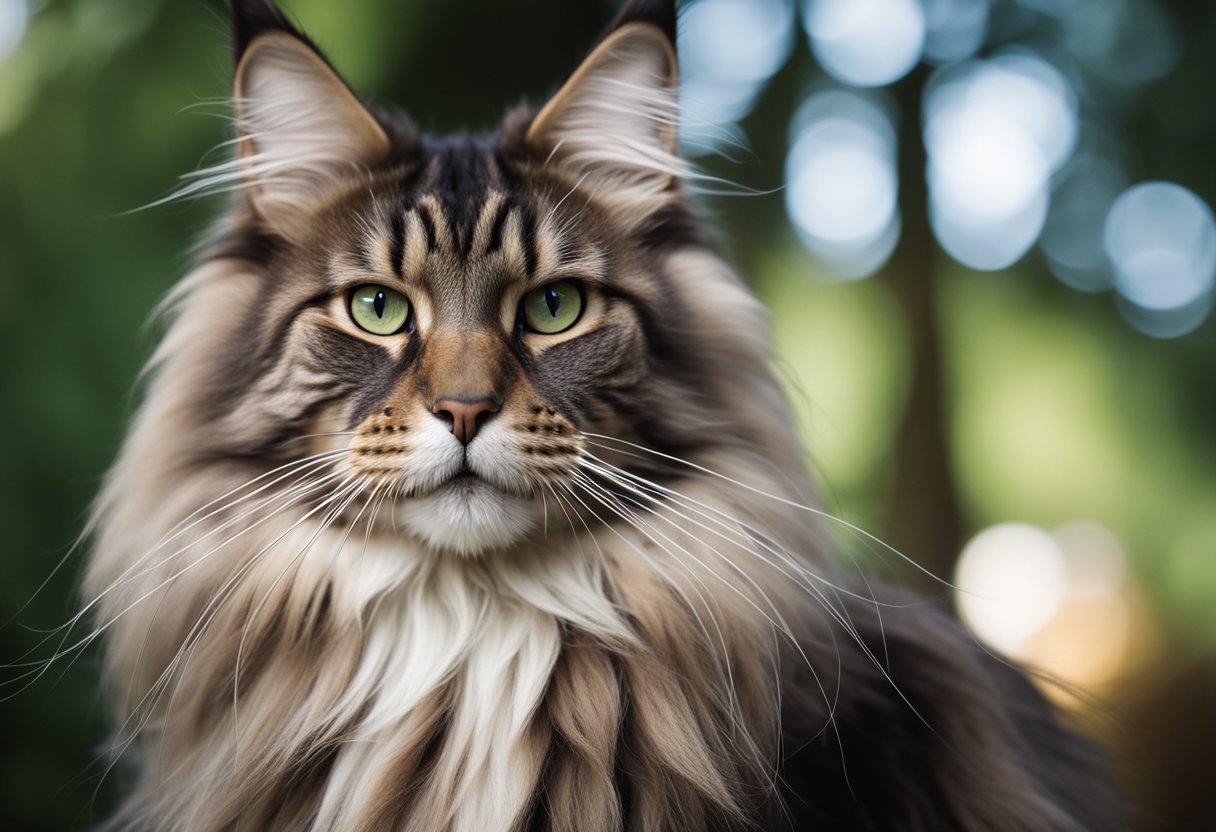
(553, 300)
(378, 304)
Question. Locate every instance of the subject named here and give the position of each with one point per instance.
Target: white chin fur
(468, 516)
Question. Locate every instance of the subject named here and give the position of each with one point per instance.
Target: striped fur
(612, 610)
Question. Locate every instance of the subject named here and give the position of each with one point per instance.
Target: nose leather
(465, 416)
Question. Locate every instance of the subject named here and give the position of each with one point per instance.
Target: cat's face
(465, 329)
(454, 316)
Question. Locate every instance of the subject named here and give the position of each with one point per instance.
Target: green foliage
(1057, 410)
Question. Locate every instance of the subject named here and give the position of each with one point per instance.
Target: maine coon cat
(463, 498)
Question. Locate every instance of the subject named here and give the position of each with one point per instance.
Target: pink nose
(465, 416)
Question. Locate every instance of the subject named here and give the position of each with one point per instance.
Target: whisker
(175, 665)
(628, 479)
(839, 614)
(622, 511)
(780, 623)
(98, 631)
(306, 466)
(90, 527)
(352, 493)
(320, 435)
(563, 502)
(841, 618)
(778, 498)
(40, 668)
(144, 710)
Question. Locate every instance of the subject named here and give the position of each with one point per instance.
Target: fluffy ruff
(281, 658)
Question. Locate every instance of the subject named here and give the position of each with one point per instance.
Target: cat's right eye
(379, 309)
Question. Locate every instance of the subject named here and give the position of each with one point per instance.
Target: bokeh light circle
(1011, 580)
(728, 51)
(954, 29)
(1076, 222)
(1167, 323)
(867, 43)
(1161, 240)
(14, 15)
(995, 132)
(841, 183)
(1122, 41)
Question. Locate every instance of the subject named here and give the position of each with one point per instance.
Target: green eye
(379, 310)
(552, 308)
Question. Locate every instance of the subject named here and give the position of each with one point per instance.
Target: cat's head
(458, 318)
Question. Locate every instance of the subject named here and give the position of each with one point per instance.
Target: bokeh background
(984, 228)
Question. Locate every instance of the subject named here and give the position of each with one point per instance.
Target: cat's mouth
(468, 514)
(465, 479)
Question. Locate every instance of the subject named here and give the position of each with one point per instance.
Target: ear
(612, 126)
(302, 132)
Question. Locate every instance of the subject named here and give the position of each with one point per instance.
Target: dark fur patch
(927, 736)
(378, 375)
(428, 226)
(396, 248)
(243, 364)
(570, 372)
(460, 185)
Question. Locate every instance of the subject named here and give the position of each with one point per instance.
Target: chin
(469, 516)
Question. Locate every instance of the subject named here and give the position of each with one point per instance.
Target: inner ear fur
(609, 59)
(612, 127)
(302, 132)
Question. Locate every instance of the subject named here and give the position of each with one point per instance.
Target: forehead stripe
(428, 224)
(505, 206)
(527, 232)
(396, 246)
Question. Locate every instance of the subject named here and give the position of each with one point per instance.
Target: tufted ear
(613, 124)
(301, 131)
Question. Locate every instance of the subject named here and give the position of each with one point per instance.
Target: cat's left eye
(379, 309)
(553, 308)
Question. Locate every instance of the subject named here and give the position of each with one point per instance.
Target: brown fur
(613, 609)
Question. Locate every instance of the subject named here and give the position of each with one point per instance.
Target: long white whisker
(783, 500)
(778, 623)
(612, 504)
(562, 504)
(351, 493)
(310, 488)
(660, 494)
(306, 466)
(144, 709)
(850, 629)
(75, 619)
(180, 662)
(841, 618)
(840, 614)
(38, 669)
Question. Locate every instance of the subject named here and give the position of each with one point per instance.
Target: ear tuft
(658, 13)
(251, 18)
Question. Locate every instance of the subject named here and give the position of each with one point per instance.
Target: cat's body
(532, 554)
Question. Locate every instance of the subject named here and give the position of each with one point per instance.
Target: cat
(463, 497)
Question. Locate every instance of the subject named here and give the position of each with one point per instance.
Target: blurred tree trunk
(925, 522)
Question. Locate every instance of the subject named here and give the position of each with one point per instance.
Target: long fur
(627, 617)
